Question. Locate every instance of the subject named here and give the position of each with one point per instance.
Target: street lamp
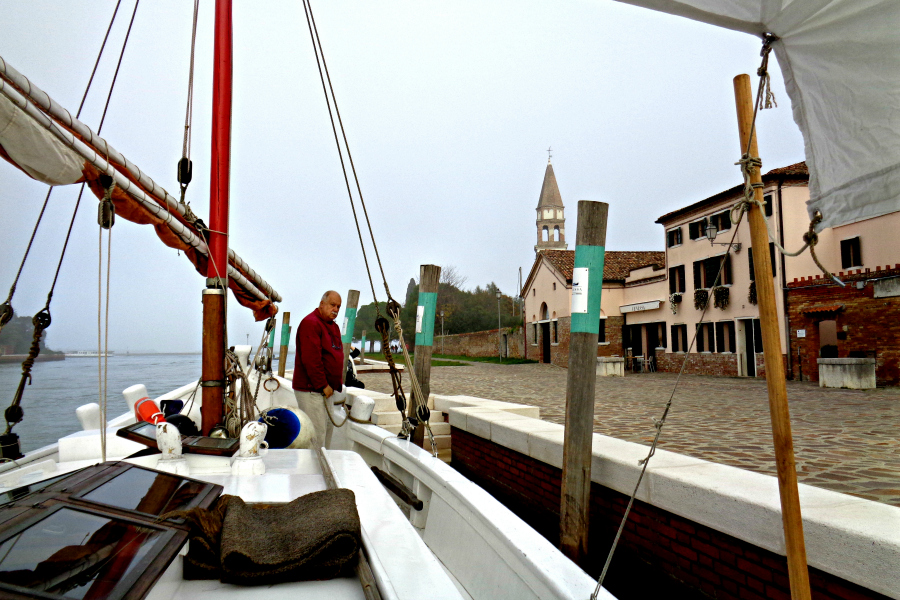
(499, 333)
(442, 332)
(712, 231)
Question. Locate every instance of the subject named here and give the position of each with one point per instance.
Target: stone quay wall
(698, 528)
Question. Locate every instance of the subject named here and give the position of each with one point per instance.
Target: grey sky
(449, 108)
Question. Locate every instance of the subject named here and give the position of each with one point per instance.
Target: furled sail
(42, 139)
(841, 66)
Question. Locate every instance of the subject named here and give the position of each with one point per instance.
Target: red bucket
(146, 409)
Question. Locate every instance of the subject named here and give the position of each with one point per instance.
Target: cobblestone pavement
(844, 440)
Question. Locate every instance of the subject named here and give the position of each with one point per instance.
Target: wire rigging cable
(185, 167)
(393, 307)
(6, 310)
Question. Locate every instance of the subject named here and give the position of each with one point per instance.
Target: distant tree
(16, 337)
(464, 311)
(365, 320)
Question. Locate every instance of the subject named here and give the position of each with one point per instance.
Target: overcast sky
(449, 108)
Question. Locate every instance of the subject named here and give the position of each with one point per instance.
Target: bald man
(319, 364)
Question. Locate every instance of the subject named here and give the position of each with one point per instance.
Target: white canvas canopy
(841, 66)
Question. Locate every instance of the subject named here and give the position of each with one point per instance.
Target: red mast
(213, 375)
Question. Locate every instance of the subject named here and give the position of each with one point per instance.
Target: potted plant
(751, 296)
(720, 296)
(701, 298)
(674, 301)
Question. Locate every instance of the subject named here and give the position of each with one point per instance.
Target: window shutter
(711, 266)
(732, 343)
(725, 220)
(720, 335)
(698, 278)
(750, 260)
(673, 280)
(772, 258)
(757, 336)
(692, 231)
(846, 259)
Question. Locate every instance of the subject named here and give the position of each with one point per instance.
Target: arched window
(545, 234)
(545, 314)
(556, 233)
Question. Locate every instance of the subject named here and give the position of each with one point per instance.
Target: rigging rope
(42, 319)
(185, 167)
(764, 99)
(422, 404)
(6, 309)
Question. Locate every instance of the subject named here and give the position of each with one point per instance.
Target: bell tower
(551, 219)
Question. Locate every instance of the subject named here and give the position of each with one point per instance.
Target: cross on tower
(549, 155)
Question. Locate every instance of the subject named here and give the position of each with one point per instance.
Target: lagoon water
(59, 387)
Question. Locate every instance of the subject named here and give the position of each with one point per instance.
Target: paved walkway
(844, 440)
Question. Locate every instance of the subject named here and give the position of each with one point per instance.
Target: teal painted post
(429, 279)
(349, 321)
(285, 340)
(587, 284)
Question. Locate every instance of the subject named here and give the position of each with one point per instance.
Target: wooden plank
(429, 279)
(775, 375)
(285, 339)
(581, 380)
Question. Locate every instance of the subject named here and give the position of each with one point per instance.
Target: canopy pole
(775, 374)
(214, 304)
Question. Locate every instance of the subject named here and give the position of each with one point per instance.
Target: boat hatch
(145, 433)
(95, 533)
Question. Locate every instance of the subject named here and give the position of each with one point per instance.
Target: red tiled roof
(823, 309)
(798, 170)
(617, 264)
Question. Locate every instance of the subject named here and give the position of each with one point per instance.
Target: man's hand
(328, 391)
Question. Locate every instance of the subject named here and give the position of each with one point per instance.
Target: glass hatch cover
(75, 554)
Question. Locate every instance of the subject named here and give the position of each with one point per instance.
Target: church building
(547, 291)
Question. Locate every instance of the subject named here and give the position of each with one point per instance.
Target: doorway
(828, 339)
(545, 342)
(749, 347)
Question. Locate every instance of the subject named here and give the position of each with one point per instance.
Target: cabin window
(767, 206)
(725, 339)
(697, 229)
(673, 237)
(679, 338)
(706, 270)
(851, 255)
(676, 280)
(771, 259)
(601, 335)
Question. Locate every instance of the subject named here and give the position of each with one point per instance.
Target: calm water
(59, 387)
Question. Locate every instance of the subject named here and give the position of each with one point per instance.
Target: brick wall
(869, 326)
(481, 343)
(559, 352)
(660, 554)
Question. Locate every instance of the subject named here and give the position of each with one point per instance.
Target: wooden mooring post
(285, 340)
(775, 376)
(587, 282)
(429, 278)
(349, 321)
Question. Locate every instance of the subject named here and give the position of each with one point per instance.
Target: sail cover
(44, 141)
(841, 66)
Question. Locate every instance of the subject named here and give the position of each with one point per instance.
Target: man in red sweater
(319, 364)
